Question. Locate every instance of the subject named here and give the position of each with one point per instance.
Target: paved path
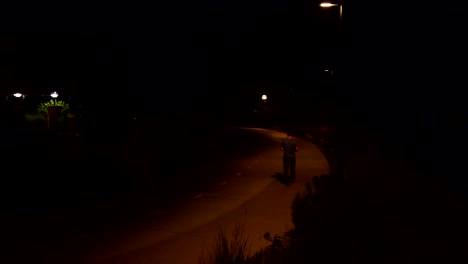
(245, 192)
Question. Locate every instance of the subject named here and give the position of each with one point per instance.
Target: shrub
(320, 234)
(43, 109)
(34, 118)
(235, 249)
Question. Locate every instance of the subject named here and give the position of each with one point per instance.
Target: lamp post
(265, 111)
(328, 5)
(17, 106)
(341, 128)
(52, 113)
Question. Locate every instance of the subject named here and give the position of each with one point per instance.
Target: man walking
(289, 148)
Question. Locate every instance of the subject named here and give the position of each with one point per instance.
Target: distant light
(264, 97)
(326, 70)
(54, 95)
(327, 4)
(17, 95)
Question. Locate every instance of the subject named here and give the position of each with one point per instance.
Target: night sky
(191, 54)
(209, 55)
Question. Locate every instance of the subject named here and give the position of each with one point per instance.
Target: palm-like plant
(65, 112)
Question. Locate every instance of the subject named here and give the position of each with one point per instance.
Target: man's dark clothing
(289, 158)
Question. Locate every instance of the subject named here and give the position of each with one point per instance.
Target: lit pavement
(243, 191)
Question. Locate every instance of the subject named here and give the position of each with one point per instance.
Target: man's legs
(286, 167)
(293, 169)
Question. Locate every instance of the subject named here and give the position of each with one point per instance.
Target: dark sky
(202, 54)
(57, 47)
(203, 49)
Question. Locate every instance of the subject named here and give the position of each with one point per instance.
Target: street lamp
(341, 128)
(327, 5)
(264, 97)
(52, 112)
(17, 95)
(329, 71)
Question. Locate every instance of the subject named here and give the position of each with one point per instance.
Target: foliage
(34, 117)
(236, 249)
(42, 109)
(320, 216)
(67, 111)
(66, 118)
(278, 252)
(228, 250)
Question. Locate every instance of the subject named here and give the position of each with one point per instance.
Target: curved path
(244, 191)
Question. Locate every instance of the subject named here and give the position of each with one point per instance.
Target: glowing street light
(54, 95)
(264, 97)
(17, 95)
(327, 4)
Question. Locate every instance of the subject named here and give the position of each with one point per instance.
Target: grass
(233, 249)
(34, 118)
(237, 249)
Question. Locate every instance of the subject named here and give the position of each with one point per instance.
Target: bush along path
(339, 221)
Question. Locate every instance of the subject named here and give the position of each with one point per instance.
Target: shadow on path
(281, 178)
